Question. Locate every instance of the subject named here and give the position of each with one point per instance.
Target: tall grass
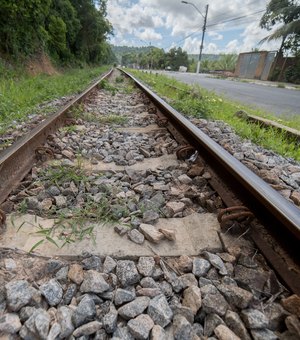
(20, 95)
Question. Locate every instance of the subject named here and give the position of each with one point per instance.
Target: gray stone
(211, 322)
(122, 333)
(188, 280)
(263, 334)
(198, 329)
(208, 289)
(214, 303)
(18, 294)
(238, 297)
(109, 265)
(121, 230)
(42, 323)
(216, 261)
(87, 329)
(275, 315)
(184, 311)
(54, 331)
(158, 333)
(203, 282)
(146, 265)
(94, 283)
(185, 264)
(53, 190)
(185, 179)
(92, 262)
(134, 308)
(26, 312)
(37, 325)
(109, 321)
(254, 318)
(127, 273)
(150, 292)
(124, 295)
(192, 298)
(135, 236)
(10, 264)
(160, 311)
(64, 318)
(60, 201)
(69, 293)
(235, 323)
(10, 323)
(293, 324)
(166, 288)
(84, 312)
(141, 326)
(100, 335)
(148, 282)
(182, 328)
(150, 217)
(200, 267)
(32, 203)
(224, 333)
(151, 233)
(52, 291)
(62, 274)
(249, 278)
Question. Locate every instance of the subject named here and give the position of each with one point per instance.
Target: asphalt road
(279, 101)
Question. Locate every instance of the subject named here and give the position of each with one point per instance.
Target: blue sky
(232, 26)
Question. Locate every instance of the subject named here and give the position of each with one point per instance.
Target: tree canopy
(286, 13)
(66, 29)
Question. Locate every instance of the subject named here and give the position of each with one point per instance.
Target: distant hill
(195, 57)
(119, 51)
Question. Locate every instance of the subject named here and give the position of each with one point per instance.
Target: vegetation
(21, 96)
(200, 103)
(67, 30)
(286, 13)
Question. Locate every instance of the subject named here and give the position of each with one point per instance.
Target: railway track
(124, 155)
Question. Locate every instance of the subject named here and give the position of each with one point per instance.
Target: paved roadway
(279, 101)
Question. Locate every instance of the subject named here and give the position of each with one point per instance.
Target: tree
(227, 62)
(286, 12)
(177, 57)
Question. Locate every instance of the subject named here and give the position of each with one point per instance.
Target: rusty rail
(237, 185)
(17, 160)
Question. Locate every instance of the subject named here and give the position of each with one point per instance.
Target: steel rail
(274, 208)
(17, 160)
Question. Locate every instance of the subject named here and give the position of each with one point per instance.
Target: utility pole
(202, 40)
(203, 29)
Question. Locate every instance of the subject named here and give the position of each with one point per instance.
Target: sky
(232, 26)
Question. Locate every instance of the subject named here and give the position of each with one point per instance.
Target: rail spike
(236, 213)
(185, 151)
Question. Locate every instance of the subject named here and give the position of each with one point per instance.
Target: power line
(237, 18)
(215, 24)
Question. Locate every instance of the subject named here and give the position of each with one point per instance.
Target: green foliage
(287, 13)
(67, 29)
(227, 62)
(292, 73)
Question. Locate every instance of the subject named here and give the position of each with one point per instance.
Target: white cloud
(169, 22)
(215, 35)
(149, 35)
(232, 46)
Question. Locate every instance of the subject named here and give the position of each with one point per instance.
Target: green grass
(197, 102)
(19, 96)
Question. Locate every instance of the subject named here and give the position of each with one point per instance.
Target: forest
(69, 31)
